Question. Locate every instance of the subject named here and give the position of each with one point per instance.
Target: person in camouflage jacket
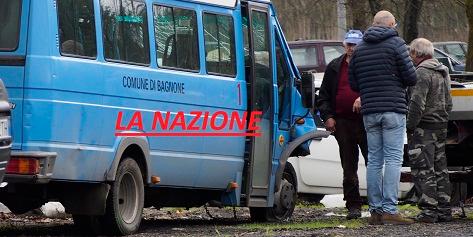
(429, 105)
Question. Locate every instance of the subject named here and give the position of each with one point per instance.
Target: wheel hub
(287, 195)
(128, 198)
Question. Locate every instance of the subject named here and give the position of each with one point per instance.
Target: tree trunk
(440, 20)
(359, 11)
(413, 10)
(375, 6)
(469, 14)
(341, 18)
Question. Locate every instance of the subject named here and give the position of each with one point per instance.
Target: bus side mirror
(307, 90)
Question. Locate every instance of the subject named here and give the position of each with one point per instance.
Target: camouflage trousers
(429, 170)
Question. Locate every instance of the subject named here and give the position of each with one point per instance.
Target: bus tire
(125, 200)
(284, 205)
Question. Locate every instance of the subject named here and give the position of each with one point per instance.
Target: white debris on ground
(335, 214)
(365, 214)
(330, 201)
(53, 210)
(50, 209)
(4, 209)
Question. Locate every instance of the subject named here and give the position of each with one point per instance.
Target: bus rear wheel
(284, 204)
(124, 206)
(126, 199)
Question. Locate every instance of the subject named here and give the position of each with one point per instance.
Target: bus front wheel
(125, 200)
(284, 204)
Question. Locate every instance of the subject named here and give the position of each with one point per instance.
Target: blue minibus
(91, 82)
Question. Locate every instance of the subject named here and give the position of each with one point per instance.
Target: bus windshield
(10, 12)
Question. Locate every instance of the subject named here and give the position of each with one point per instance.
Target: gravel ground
(196, 222)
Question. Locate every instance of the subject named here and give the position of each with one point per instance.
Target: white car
(321, 172)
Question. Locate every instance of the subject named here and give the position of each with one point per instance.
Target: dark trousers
(429, 170)
(351, 136)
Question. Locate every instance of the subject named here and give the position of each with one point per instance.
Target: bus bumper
(30, 167)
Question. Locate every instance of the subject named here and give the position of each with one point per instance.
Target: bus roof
(225, 3)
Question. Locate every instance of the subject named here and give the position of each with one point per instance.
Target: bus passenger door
(258, 71)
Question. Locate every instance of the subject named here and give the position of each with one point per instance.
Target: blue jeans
(385, 135)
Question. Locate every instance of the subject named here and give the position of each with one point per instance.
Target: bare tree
(439, 20)
(411, 18)
(358, 11)
(375, 6)
(469, 14)
(341, 18)
(308, 19)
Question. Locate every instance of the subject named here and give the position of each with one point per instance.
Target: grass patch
(408, 209)
(469, 214)
(320, 224)
(303, 204)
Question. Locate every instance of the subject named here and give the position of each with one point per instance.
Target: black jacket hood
(379, 33)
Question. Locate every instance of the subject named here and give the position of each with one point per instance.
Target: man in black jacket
(339, 107)
(381, 70)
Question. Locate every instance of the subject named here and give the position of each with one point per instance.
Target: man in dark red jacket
(340, 107)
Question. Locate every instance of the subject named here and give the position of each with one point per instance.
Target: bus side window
(169, 59)
(77, 27)
(262, 64)
(125, 31)
(176, 38)
(219, 44)
(246, 40)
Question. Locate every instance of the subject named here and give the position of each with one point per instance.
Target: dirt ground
(308, 220)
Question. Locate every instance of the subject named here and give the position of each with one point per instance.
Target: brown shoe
(396, 219)
(375, 219)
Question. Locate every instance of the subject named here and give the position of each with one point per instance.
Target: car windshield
(440, 54)
(456, 51)
(10, 12)
(332, 52)
(305, 56)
